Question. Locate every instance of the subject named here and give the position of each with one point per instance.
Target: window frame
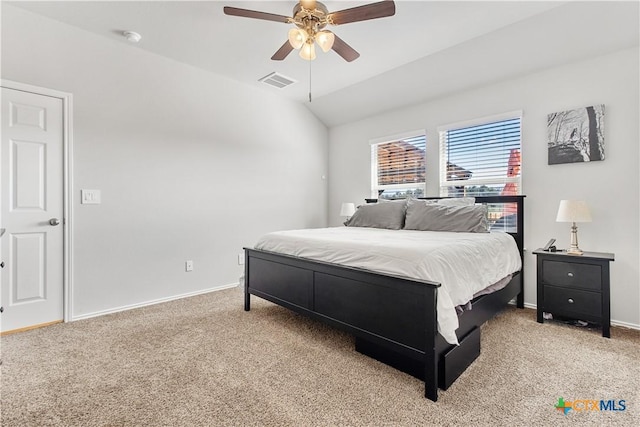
(444, 183)
(374, 143)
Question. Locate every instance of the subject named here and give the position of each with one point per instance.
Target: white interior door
(32, 180)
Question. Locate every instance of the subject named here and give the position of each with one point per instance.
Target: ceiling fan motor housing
(310, 20)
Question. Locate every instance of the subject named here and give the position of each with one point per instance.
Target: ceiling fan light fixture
(325, 40)
(297, 37)
(308, 4)
(308, 52)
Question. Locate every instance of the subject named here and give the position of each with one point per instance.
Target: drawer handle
(570, 274)
(570, 300)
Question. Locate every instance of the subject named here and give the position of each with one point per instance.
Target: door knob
(54, 221)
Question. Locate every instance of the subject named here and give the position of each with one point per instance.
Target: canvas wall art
(576, 135)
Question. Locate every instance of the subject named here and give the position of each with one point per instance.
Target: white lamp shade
(347, 209)
(297, 37)
(308, 52)
(325, 40)
(573, 211)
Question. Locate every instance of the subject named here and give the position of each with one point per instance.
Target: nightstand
(575, 286)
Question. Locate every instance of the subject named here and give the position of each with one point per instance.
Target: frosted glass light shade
(347, 209)
(308, 52)
(573, 211)
(325, 40)
(297, 37)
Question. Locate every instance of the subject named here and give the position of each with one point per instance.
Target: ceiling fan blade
(246, 13)
(283, 52)
(363, 13)
(343, 49)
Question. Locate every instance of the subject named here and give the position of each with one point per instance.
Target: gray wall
(610, 187)
(194, 166)
(190, 165)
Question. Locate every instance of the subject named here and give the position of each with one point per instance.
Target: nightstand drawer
(572, 274)
(572, 301)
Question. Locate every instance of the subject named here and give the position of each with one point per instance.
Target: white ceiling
(428, 49)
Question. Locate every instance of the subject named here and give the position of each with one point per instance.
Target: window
(398, 166)
(481, 158)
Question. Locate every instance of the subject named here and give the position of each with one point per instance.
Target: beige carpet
(203, 361)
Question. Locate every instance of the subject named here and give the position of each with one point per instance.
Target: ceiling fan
(310, 17)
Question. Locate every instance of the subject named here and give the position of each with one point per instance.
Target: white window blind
(398, 168)
(481, 159)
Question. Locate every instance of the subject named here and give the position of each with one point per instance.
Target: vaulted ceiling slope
(427, 50)
(566, 34)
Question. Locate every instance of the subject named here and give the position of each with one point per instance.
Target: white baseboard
(625, 324)
(613, 322)
(233, 285)
(152, 302)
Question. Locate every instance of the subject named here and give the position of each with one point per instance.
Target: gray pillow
(450, 201)
(392, 200)
(458, 201)
(379, 215)
(436, 217)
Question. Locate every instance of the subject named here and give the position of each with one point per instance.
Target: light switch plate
(90, 197)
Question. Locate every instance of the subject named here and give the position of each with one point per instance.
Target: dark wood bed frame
(393, 319)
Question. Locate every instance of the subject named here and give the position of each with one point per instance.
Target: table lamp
(573, 211)
(347, 210)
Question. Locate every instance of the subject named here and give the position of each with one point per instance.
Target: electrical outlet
(188, 265)
(241, 259)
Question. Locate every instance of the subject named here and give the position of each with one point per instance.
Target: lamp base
(573, 247)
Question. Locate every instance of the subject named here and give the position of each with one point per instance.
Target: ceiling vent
(277, 80)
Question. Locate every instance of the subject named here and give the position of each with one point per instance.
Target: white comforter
(463, 263)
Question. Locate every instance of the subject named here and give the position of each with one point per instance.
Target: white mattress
(463, 263)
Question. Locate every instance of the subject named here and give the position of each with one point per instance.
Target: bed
(394, 318)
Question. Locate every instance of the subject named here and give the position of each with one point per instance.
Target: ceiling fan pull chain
(309, 81)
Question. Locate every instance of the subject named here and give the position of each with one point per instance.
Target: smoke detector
(132, 36)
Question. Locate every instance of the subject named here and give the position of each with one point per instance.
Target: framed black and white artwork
(576, 135)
